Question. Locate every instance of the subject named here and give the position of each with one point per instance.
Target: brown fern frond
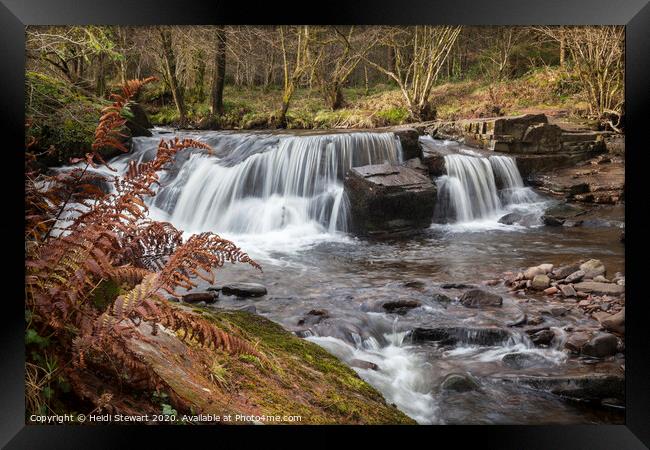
(107, 133)
(197, 258)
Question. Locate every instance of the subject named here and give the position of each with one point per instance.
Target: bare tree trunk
(562, 50)
(170, 67)
(100, 76)
(216, 106)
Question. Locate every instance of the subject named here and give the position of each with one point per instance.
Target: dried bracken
(108, 238)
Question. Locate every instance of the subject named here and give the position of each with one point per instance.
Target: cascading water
(260, 183)
(478, 188)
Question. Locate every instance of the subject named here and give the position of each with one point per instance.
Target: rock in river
(542, 337)
(521, 360)
(244, 289)
(615, 322)
(540, 282)
(386, 199)
(464, 335)
(477, 298)
(593, 287)
(601, 346)
(401, 306)
(197, 297)
(459, 382)
(593, 268)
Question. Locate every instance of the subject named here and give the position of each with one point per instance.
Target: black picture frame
(634, 14)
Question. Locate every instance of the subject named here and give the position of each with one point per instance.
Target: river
(280, 197)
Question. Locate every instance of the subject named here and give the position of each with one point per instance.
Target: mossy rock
(292, 377)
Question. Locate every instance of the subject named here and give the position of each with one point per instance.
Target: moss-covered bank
(293, 378)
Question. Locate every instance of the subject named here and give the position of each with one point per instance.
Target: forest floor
(547, 90)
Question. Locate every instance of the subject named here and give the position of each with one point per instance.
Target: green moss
(330, 391)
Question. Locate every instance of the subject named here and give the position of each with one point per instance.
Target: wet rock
(592, 268)
(593, 287)
(552, 221)
(551, 291)
(542, 337)
(410, 141)
(441, 298)
(521, 320)
(542, 269)
(575, 276)
(457, 286)
(313, 317)
(419, 285)
(615, 322)
(576, 341)
(197, 297)
(401, 306)
(540, 282)
(568, 290)
(362, 364)
(477, 298)
(244, 289)
(511, 218)
(388, 199)
(464, 335)
(416, 164)
(593, 387)
(601, 346)
(520, 360)
(558, 312)
(459, 382)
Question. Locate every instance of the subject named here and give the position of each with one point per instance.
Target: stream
(280, 198)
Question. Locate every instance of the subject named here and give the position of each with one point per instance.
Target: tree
(294, 43)
(420, 52)
(169, 70)
(597, 57)
(219, 73)
(335, 55)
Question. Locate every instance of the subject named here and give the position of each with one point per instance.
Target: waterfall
(479, 188)
(256, 183)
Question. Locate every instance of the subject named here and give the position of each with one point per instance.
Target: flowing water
(280, 197)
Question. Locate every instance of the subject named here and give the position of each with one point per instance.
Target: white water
(402, 375)
(476, 191)
(291, 183)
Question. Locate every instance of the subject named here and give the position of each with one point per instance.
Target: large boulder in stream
(386, 199)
